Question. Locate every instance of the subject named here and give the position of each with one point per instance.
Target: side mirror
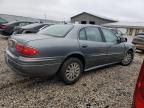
(122, 39)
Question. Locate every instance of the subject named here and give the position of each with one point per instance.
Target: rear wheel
(71, 70)
(128, 58)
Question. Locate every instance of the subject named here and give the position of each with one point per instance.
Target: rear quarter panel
(57, 47)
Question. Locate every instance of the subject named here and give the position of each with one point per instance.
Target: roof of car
(32, 25)
(82, 25)
(17, 22)
(88, 25)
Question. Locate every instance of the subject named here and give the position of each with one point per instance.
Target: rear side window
(23, 24)
(82, 34)
(38, 27)
(93, 34)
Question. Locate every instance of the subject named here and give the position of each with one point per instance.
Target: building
(10, 18)
(87, 18)
(132, 28)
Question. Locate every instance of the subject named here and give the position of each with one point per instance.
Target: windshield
(56, 30)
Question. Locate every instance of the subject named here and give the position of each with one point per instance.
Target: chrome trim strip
(105, 54)
(96, 67)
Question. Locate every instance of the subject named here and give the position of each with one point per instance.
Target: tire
(68, 73)
(128, 58)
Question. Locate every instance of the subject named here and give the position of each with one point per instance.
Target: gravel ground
(110, 87)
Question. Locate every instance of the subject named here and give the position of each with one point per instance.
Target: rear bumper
(41, 68)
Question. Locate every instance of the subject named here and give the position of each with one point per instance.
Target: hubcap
(127, 59)
(72, 71)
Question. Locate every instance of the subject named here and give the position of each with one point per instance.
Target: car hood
(23, 38)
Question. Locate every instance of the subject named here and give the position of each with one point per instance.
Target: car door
(115, 49)
(93, 46)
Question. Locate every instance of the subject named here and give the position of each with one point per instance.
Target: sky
(62, 10)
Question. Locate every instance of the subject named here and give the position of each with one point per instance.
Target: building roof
(105, 18)
(125, 24)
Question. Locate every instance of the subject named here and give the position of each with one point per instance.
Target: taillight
(3, 26)
(26, 50)
(139, 91)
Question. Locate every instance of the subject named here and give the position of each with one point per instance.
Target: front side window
(56, 30)
(93, 34)
(109, 36)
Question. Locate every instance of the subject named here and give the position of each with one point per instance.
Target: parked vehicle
(31, 28)
(138, 99)
(67, 50)
(139, 41)
(8, 28)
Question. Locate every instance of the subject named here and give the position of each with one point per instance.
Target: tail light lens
(26, 50)
(3, 26)
(139, 91)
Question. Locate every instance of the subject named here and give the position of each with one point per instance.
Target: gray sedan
(67, 50)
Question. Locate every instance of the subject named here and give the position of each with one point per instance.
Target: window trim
(109, 31)
(103, 39)
(79, 34)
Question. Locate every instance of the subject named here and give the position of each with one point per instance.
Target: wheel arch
(78, 55)
(131, 50)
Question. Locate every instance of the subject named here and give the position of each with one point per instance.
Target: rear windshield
(31, 25)
(56, 30)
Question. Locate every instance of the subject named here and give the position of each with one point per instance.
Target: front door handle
(84, 46)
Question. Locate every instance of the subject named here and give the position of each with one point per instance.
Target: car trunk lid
(24, 39)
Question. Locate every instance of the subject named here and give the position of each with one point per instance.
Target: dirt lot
(110, 87)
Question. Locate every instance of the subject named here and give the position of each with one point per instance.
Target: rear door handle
(84, 46)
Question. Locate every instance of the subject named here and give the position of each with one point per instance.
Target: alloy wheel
(73, 71)
(127, 58)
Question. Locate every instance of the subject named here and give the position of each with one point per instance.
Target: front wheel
(71, 70)
(128, 58)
